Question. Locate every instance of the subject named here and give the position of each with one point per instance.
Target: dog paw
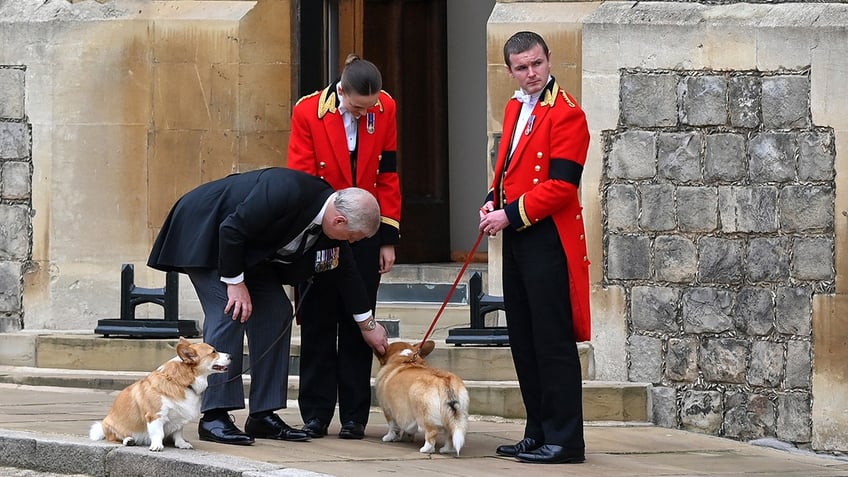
(390, 437)
(156, 447)
(128, 441)
(183, 445)
(427, 448)
(447, 449)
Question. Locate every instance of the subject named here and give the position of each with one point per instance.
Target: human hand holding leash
(492, 221)
(238, 301)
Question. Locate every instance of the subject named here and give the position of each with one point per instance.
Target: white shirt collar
(530, 99)
(342, 109)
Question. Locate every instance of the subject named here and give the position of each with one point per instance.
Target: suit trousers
(541, 334)
(268, 335)
(335, 361)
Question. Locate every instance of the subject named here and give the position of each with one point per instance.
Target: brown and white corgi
(163, 402)
(415, 397)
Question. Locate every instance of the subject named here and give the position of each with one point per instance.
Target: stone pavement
(45, 429)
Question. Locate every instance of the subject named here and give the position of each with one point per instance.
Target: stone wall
(15, 196)
(128, 104)
(718, 216)
(719, 235)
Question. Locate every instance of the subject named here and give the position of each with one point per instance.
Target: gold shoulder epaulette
(568, 100)
(306, 97)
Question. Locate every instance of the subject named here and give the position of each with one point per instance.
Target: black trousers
(334, 359)
(541, 334)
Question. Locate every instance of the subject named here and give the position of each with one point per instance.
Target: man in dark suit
(534, 200)
(240, 239)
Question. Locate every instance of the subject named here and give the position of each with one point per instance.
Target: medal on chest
(369, 123)
(326, 259)
(529, 127)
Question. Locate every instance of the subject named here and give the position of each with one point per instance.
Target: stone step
(602, 401)
(411, 295)
(414, 319)
(87, 351)
(92, 361)
(432, 273)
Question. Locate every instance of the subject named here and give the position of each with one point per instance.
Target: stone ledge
(62, 454)
(602, 400)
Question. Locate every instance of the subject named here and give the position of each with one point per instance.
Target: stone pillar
(721, 143)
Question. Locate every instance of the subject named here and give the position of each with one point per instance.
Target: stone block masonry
(15, 195)
(718, 208)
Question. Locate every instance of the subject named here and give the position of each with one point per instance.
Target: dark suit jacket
(240, 221)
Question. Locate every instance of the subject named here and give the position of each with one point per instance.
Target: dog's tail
(456, 418)
(96, 432)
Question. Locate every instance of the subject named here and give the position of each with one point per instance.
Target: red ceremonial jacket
(542, 180)
(318, 145)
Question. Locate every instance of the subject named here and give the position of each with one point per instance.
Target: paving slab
(52, 415)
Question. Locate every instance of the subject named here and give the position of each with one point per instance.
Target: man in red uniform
(534, 201)
(347, 135)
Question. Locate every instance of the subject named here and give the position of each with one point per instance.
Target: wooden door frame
(351, 28)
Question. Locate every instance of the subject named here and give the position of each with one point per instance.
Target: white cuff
(234, 280)
(362, 317)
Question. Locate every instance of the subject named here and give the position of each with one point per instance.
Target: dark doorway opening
(407, 40)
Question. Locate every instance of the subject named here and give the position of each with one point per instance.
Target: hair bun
(351, 58)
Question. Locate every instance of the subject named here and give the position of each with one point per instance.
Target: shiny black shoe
(314, 428)
(352, 430)
(524, 445)
(272, 427)
(223, 431)
(552, 454)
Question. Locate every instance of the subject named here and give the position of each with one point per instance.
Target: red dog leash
(453, 288)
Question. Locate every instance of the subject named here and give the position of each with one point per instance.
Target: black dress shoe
(524, 445)
(315, 429)
(352, 430)
(552, 454)
(272, 427)
(223, 431)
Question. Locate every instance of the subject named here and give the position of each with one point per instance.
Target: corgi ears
(185, 351)
(426, 348)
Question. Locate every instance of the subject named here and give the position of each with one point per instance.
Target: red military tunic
(542, 180)
(318, 146)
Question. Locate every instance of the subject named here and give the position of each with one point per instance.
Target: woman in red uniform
(347, 135)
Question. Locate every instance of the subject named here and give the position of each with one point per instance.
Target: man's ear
(339, 220)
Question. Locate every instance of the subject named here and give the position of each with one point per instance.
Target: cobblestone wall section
(15, 196)
(718, 202)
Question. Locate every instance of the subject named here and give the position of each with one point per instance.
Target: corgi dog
(415, 397)
(163, 402)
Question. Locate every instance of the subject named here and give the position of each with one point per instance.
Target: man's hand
(376, 337)
(492, 221)
(238, 301)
